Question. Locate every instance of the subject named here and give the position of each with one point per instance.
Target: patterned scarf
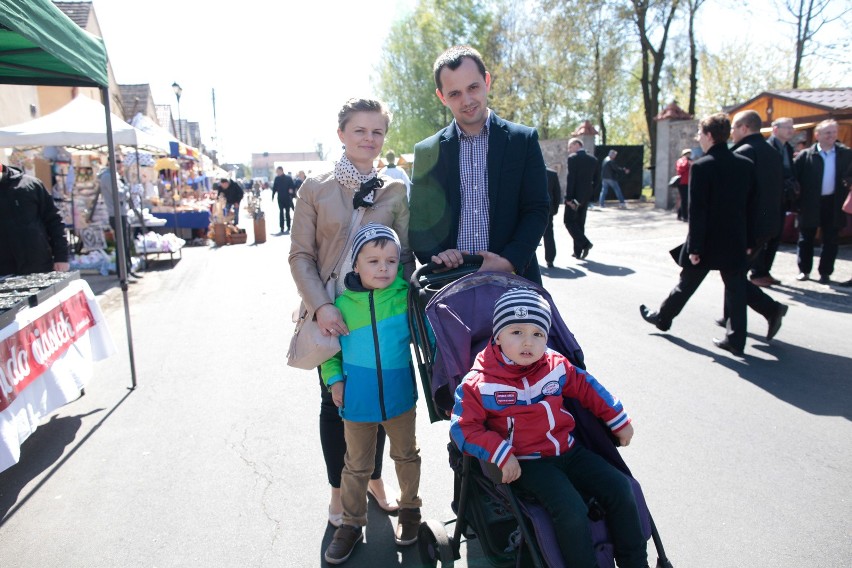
(363, 185)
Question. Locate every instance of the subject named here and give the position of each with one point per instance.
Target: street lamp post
(178, 91)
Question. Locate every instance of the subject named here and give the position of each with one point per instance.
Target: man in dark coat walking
(824, 172)
(769, 187)
(584, 182)
(721, 232)
(286, 189)
(782, 133)
(555, 193)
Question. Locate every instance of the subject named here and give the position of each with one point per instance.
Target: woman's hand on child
(511, 470)
(625, 435)
(337, 393)
(330, 321)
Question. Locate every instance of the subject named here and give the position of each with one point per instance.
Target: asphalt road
(214, 460)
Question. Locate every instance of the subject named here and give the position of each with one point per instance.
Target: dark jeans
(575, 222)
(333, 441)
(827, 256)
(557, 483)
(691, 278)
(284, 214)
(683, 212)
(127, 237)
(549, 242)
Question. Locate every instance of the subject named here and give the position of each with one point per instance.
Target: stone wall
(672, 137)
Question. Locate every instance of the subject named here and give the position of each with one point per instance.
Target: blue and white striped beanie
(521, 305)
(372, 232)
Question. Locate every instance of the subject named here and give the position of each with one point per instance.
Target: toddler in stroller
(457, 315)
(509, 408)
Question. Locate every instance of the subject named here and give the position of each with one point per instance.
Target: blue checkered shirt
(474, 221)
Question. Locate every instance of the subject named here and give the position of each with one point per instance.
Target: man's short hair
(224, 179)
(825, 124)
(783, 120)
(613, 153)
(390, 157)
(748, 118)
(453, 58)
(718, 126)
(575, 141)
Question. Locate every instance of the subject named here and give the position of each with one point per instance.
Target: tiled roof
(77, 11)
(134, 98)
(834, 99)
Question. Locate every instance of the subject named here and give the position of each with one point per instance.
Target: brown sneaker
(343, 543)
(407, 526)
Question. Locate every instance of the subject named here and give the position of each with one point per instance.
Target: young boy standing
(372, 382)
(509, 411)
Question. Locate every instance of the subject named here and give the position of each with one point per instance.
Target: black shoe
(135, 275)
(722, 322)
(802, 277)
(586, 251)
(723, 344)
(775, 321)
(824, 279)
(550, 265)
(653, 318)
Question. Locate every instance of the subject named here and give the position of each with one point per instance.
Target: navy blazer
(517, 188)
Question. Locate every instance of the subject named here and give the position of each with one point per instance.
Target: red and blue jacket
(502, 408)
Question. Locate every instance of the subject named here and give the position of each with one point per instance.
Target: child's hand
(337, 393)
(511, 469)
(625, 435)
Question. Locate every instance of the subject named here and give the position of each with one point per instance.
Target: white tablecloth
(26, 398)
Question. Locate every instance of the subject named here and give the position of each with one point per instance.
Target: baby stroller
(454, 309)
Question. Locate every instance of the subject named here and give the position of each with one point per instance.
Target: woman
(321, 226)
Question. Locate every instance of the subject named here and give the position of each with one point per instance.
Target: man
(824, 171)
(394, 171)
(32, 234)
(105, 186)
(768, 177)
(284, 186)
(584, 181)
(721, 231)
(610, 172)
(479, 185)
(233, 195)
(782, 133)
(554, 191)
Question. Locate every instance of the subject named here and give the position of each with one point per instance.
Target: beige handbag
(309, 348)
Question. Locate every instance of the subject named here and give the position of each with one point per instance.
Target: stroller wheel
(434, 545)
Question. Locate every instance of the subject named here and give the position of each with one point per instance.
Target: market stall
(51, 331)
(39, 45)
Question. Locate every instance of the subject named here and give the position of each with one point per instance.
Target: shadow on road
(815, 382)
(562, 273)
(378, 547)
(44, 450)
(607, 269)
(835, 300)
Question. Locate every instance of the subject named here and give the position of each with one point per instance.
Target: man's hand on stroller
(625, 435)
(330, 321)
(511, 469)
(493, 262)
(449, 259)
(337, 393)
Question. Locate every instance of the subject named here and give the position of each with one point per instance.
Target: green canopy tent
(39, 45)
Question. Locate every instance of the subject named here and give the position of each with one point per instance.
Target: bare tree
(652, 17)
(809, 17)
(693, 5)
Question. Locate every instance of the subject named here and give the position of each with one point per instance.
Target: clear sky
(281, 70)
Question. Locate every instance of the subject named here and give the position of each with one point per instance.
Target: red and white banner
(30, 351)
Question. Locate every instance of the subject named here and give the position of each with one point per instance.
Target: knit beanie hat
(372, 232)
(521, 305)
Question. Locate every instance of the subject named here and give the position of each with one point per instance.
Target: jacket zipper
(378, 357)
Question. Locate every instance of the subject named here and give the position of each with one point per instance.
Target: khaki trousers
(360, 461)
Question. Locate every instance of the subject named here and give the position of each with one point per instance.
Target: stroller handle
(431, 272)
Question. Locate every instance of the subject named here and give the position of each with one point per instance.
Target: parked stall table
(47, 346)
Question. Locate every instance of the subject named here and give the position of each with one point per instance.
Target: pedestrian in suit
(286, 190)
(824, 172)
(782, 133)
(721, 231)
(769, 187)
(479, 185)
(555, 192)
(584, 182)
